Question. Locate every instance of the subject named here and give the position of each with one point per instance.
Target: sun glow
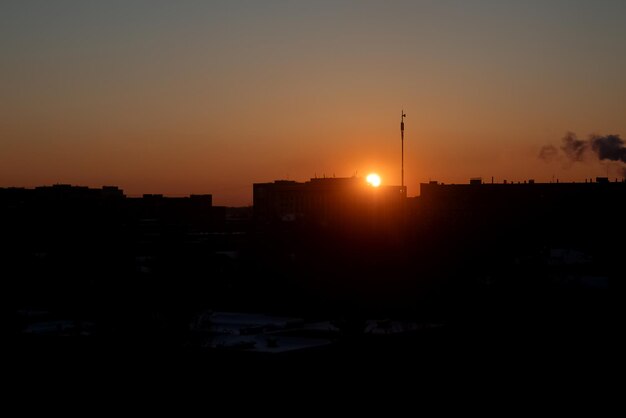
(373, 179)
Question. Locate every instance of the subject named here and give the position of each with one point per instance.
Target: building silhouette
(520, 257)
(515, 201)
(341, 202)
(524, 215)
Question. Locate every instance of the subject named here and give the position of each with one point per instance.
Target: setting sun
(373, 179)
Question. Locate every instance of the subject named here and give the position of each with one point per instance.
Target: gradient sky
(180, 97)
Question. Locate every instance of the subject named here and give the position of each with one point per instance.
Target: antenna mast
(402, 139)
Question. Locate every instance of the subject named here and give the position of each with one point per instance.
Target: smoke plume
(548, 153)
(609, 147)
(573, 147)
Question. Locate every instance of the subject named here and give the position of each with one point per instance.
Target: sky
(180, 97)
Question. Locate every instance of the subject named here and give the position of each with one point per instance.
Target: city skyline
(211, 97)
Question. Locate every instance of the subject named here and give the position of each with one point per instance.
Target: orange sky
(186, 98)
